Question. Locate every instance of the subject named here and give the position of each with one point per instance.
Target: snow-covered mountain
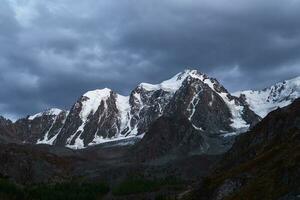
(103, 115)
(279, 95)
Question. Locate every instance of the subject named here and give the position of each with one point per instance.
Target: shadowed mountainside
(262, 164)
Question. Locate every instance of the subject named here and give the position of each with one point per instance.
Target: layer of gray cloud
(53, 51)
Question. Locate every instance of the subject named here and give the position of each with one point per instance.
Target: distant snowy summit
(279, 95)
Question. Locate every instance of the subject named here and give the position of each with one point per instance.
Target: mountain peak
(191, 72)
(98, 93)
(174, 83)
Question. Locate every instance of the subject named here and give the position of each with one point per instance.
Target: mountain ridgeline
(102, 116)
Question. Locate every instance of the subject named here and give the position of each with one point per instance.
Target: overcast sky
(52, 51)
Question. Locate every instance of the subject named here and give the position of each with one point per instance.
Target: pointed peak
(192, 72)
(174, 83)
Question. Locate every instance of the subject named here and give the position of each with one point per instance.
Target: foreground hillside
(52, 173)
(262, 164)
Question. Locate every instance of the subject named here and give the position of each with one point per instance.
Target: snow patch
(192, 108)
(100, 140)
(229, 134)
(123, 107)
(50, 112)
(197, 128)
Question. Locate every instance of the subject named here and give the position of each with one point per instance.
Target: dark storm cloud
(53, 51)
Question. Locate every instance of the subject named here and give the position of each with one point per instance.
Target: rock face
(40, 128)
(209, 106)
(279, 95)
(8, 132)
(102, 115)
(263, 163)
(168, 138)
